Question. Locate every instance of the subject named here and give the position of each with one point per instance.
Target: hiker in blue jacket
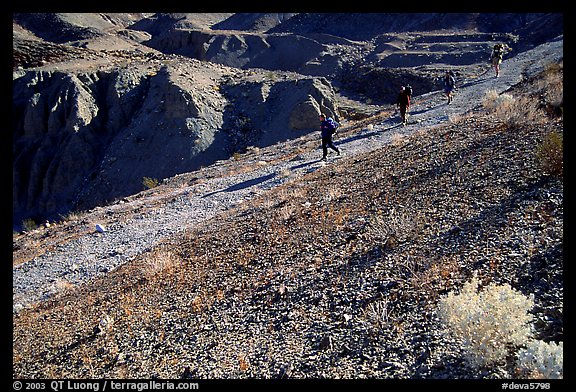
(327, 129)
(449, 85)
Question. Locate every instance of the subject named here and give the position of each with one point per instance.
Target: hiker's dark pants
(403, 110)
(327, 142)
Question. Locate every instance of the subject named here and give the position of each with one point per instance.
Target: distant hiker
(403, 103)
(327, 128)
(496, 57)
(449, 85)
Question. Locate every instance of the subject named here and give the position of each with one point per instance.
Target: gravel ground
(289, 267)
(37, 279)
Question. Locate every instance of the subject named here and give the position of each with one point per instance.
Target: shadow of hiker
(416, 112)
(364, 135)
(300, 166)
(243, 184)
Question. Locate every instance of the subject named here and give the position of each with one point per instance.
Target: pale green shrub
(489, 322)
(29, 224)
(541, 360)
(149, 182)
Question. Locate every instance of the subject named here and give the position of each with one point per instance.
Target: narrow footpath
(93, 254)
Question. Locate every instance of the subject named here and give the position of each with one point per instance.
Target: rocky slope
(102, 101)
(275, 265)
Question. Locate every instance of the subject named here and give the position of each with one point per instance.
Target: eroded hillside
(102, 101)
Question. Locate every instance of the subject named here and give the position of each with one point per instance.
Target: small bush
(551, 86)
(541, 360)
(29, 224)
(517, 112)
(491, 99)
(550, 154)
(513, 111)
(378, 313)
(489, 322)
(149, 183)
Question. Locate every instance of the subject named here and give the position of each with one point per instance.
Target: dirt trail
(94, 253)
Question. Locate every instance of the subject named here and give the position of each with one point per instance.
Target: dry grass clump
(161, 263)
(513, 111)
(551, 86)
(548, 94)
(398, 225)
(378, 313)
(490, 100)
(537, 109)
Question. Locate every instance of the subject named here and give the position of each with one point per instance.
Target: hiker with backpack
(328, 127)
(403, 103)
(496, 57)
(449, 85)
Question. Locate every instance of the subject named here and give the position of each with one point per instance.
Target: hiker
(327, 129)
(403, 103)
(449, 85)
(496, 56)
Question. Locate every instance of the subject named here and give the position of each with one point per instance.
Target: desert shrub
(516, 112)
(551, 86)
(489, 322)
(398, 226)
(550, 154)
(490, 99)
(149, 183)
(378, 313)
(513, 111)
(29, 224)
(541, 360)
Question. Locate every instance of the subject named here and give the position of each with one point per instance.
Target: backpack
(450, 81)
(498, 50)
(333, 124)
(408, 89)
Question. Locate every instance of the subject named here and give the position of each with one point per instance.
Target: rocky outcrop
(64, 122)
(83, 139)
(242, 50)
(178, 128)
(276, 110)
